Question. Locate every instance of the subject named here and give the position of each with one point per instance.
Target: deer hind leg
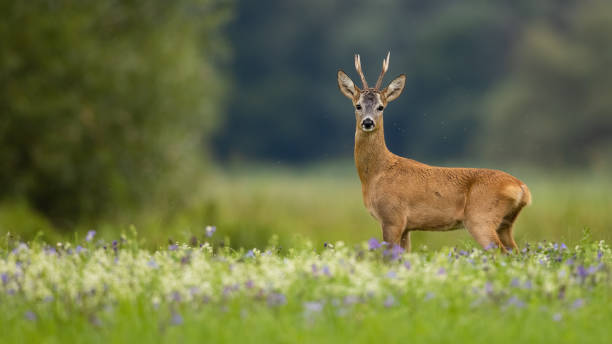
(505, 229)
(483, 231)
(483, 220)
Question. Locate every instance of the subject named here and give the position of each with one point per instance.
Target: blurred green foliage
(553, 105)
(104, 104)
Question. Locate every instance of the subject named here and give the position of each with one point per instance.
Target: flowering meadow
(202, 291)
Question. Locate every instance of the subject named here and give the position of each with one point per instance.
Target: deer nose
(367, 124)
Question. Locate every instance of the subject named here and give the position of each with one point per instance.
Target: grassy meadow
(99, 292)
(292, 256)
(252, 205)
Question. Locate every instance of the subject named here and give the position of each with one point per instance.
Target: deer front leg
(392, 234)
(405, 243)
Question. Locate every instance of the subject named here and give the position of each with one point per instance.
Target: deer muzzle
(368, 124)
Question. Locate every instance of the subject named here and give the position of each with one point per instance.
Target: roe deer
(406, 195)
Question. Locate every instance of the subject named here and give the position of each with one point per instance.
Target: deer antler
(358, 67)
(385, 67)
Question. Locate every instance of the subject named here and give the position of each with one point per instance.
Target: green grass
(249, 205)
(121, 293)
(324, 204)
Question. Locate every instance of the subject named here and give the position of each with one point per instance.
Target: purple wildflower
(177, 319)
(250, 254)
(152, 264)
(441, 271)
(561, 294)
(389, 301)
(557, 317)
(30, 316)
(313, 307)
(578, 304)
(391, 274)
(407, 265)
(396, 252)
(515, 282)
(227, 290)
(350, 299)
(599, 255)
(515, 301)
(326, 270)
(21, 247)
(582, 272)
(79, 249)
(249, 284)
(556, 246)
(313, 267)
(528, 285)
(186, 259)
(4, 277)
(194, 290)
(173, 247)
(374, 244)
(488, 287)
(210, 230)
(276, 299)
(490, 246)
(563, 246)
(90, 235)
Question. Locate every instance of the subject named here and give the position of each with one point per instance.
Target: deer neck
(371, 152)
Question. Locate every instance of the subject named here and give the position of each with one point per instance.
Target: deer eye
(380, 108)
(358, 107)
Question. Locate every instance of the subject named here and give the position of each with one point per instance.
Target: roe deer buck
(406, 195)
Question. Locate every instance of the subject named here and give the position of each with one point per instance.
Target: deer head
(369, 102)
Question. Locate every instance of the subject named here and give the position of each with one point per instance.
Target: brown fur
(405, 195)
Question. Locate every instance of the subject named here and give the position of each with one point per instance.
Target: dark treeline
(487, 80)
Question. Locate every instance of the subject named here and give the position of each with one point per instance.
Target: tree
(105, 104)
(553, 107)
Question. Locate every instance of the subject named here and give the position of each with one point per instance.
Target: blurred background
(169, 116)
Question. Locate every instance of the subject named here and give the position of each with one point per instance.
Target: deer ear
(395, 88)
(346, 85)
